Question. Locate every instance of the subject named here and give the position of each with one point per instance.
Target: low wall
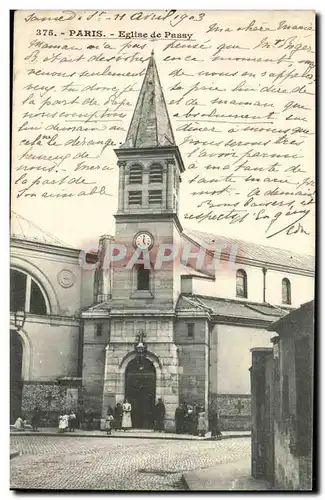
(52, 398)
(234, 411)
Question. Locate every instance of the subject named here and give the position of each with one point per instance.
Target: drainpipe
(264, 283)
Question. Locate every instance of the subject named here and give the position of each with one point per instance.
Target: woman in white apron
(63, 422)
(126, 419)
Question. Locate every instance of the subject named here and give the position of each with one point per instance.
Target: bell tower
(150, 164)
(150, 168)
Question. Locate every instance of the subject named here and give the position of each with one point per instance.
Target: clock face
(143, 241)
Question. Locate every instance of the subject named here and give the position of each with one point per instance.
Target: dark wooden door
(140, 391)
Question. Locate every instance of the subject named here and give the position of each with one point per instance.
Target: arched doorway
(140, 390)
(16, 384)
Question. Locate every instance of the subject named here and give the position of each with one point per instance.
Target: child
(61, 423)
(201, 427)
(108, 423)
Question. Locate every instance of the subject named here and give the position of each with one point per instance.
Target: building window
(135, 197)
(190, 330)
(155, 197)
(135, 174)
(155, 174)
(286, 291)
(99, 329)
(143, 278)
(26, 294)
(241, 284)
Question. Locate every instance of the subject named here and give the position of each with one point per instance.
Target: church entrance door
(16, 385)
(140, 391)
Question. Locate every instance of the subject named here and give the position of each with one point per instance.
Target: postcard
(162, 250)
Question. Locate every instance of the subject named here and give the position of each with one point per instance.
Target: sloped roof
(189, 271)
(24, 229)
(150, 125)
(253, 251)
(302, 316)
(230, 308)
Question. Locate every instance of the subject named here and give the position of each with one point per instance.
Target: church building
(159, 311)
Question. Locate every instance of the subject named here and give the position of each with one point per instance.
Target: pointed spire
(150, 125)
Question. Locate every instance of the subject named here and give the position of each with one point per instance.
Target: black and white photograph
(162, 250)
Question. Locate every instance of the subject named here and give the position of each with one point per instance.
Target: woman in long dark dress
(193, 420)
(214, 425)
(179, 420)
(118, 414)
(36, 418)
(72, 421)
(160, 416)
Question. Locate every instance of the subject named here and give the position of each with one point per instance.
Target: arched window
(26, 294)
(241, 283)
(143, 278)
(286, 291)
(156, 173)
(135, 174)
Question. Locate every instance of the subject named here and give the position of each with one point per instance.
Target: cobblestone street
(115, 464)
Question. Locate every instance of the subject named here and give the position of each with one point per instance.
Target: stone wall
(51, 398)
(234, 410)
(291, 472)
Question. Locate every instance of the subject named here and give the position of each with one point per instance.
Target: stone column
(103, 273)
(170, 383)
(110, 379)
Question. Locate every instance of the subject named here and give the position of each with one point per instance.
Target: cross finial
(152, 52)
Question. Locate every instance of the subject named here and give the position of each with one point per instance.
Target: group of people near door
(189, 419)
(192, 419)
(121, 417)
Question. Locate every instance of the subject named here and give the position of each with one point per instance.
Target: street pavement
(92, 463)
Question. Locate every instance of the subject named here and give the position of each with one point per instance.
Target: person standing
(108, 422)
(118, 414)
(72, 421)
(193, 420)
(126, 419)
(179, 413)
(201, 427)
(214, 425)
(186, 409)
(160, 412)
(61, 423)
(36, 419)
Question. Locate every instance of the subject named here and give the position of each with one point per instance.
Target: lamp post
(140, 348)
(20, 318)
